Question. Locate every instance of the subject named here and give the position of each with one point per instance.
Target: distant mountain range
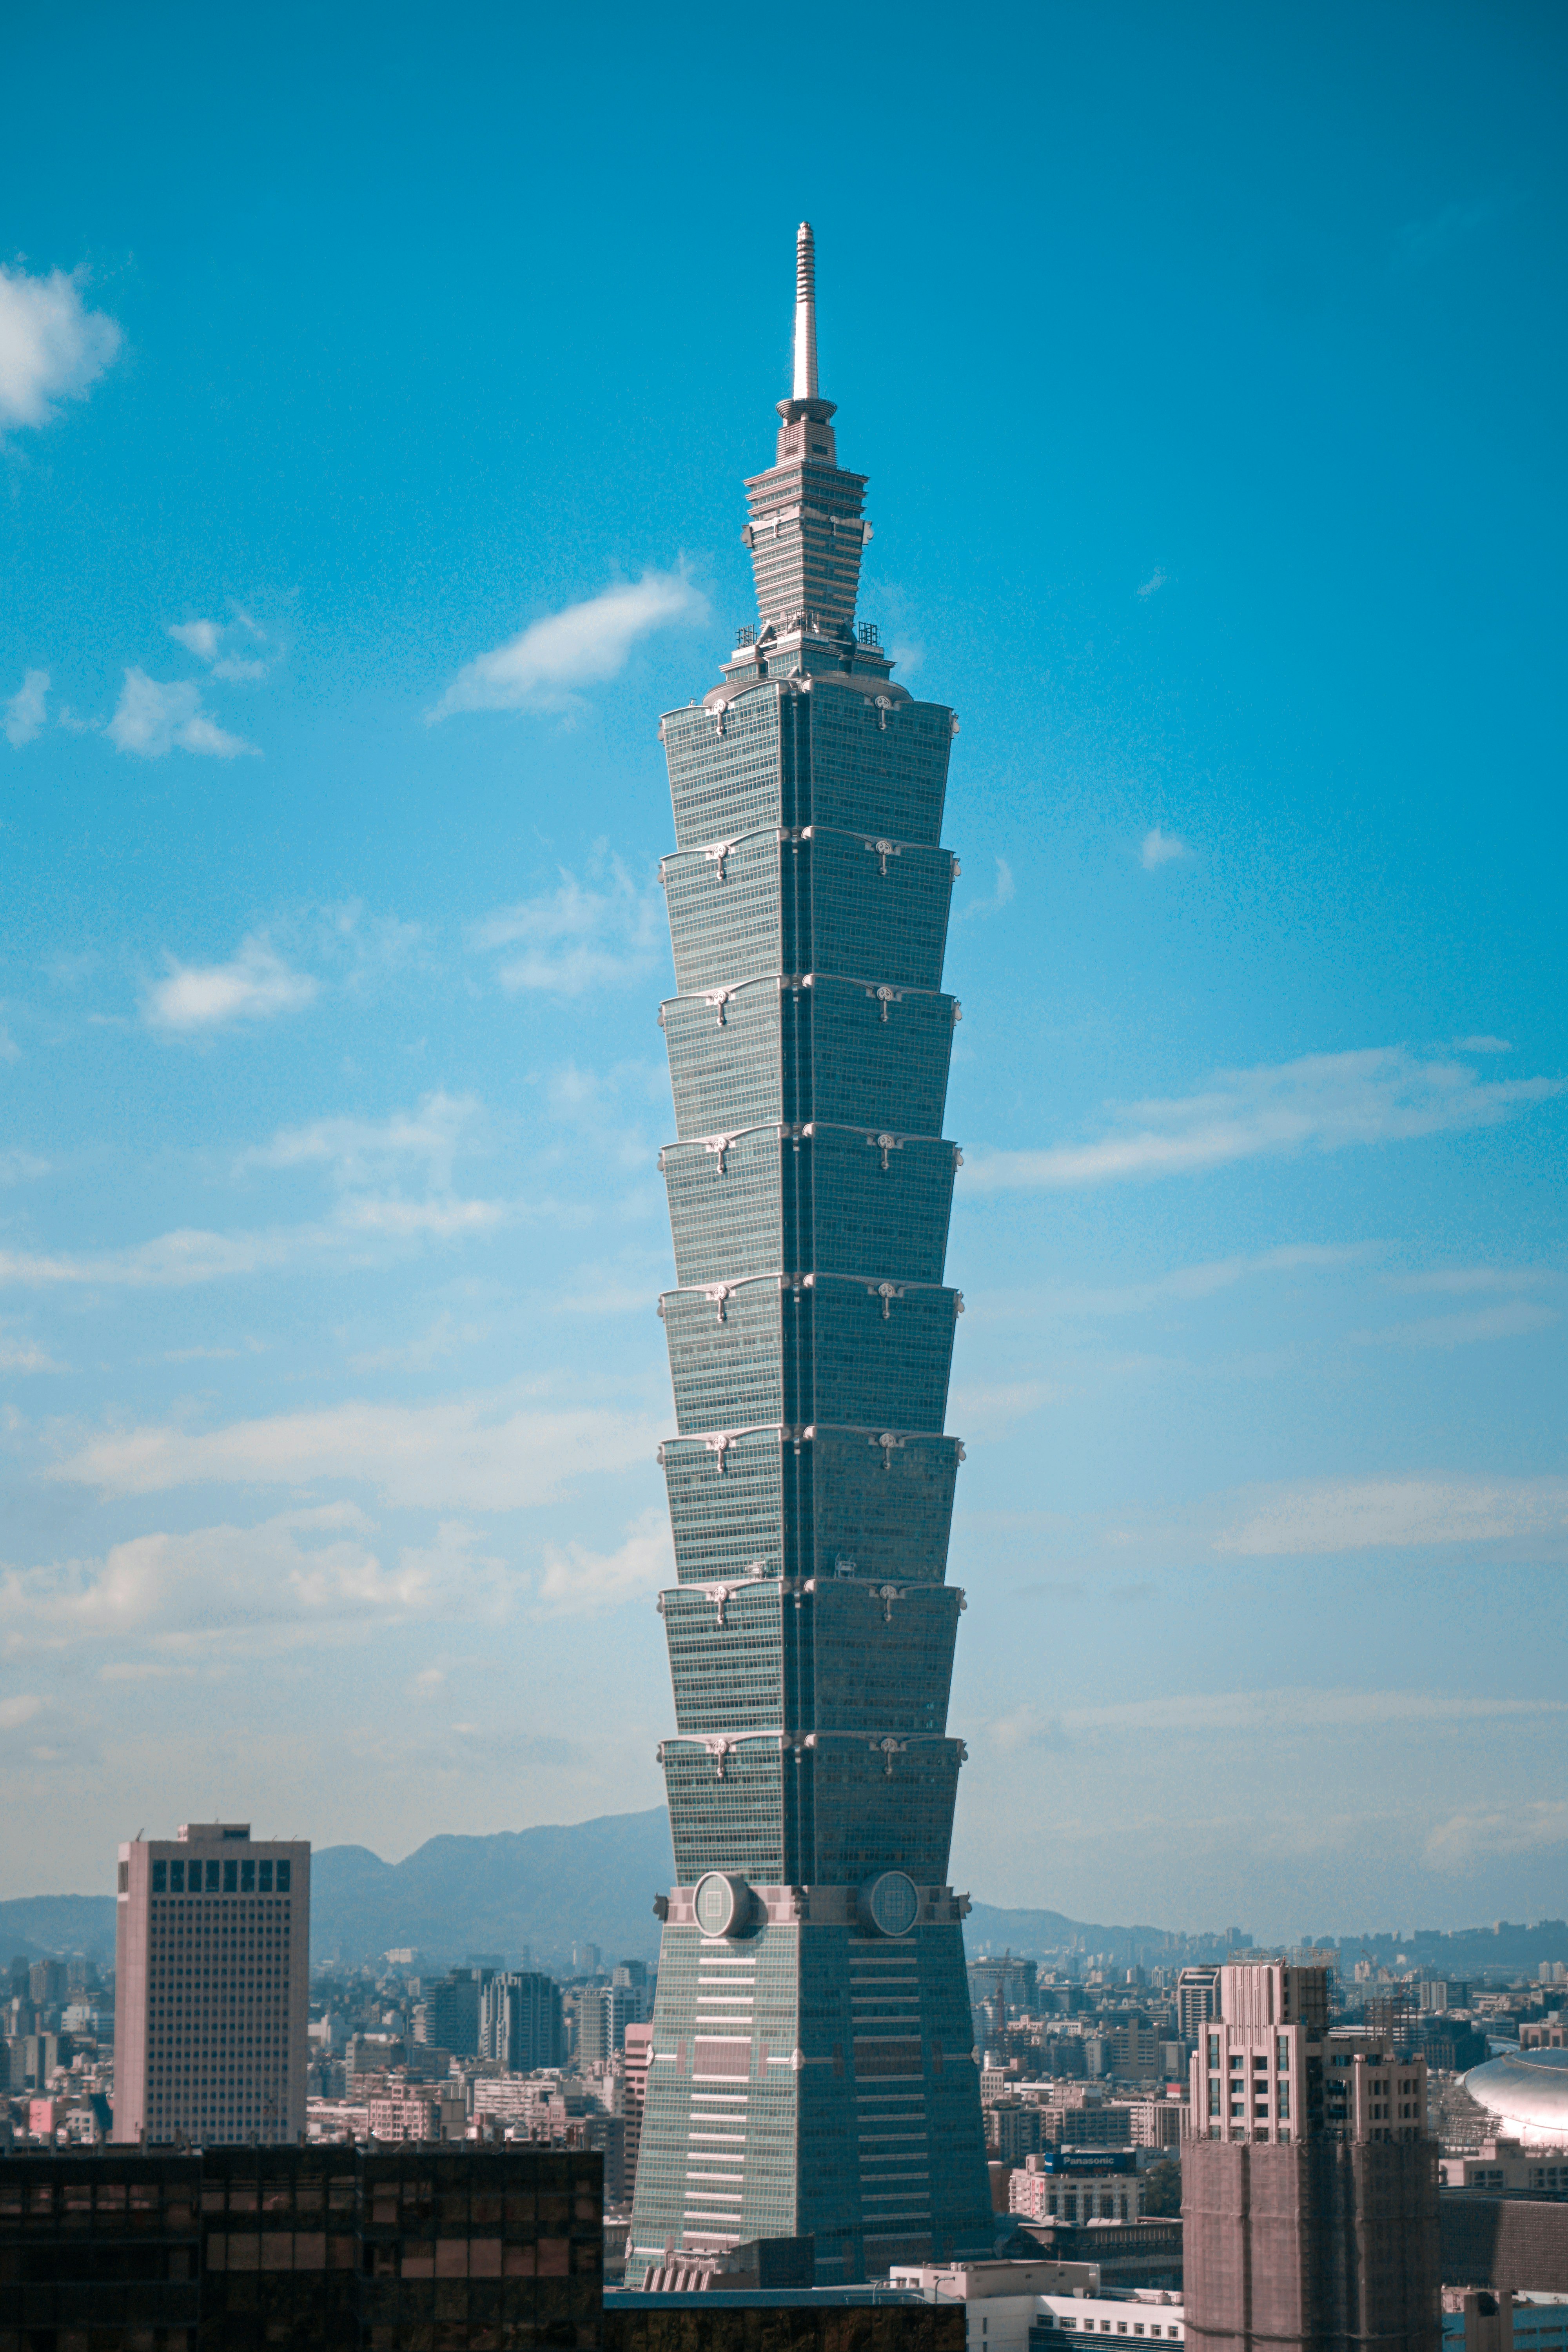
(593, 1882)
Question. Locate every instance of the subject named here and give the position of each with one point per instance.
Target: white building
(1004, 2301)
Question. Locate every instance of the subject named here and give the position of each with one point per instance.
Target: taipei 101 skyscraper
(812, 2072)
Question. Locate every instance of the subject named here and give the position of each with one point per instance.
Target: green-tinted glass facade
(812, 2070)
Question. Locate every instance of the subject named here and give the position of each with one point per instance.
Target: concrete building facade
(212, 1989)
(1310, 2186)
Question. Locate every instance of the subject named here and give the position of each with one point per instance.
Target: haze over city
(373, 460)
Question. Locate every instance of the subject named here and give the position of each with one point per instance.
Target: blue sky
(374, 393)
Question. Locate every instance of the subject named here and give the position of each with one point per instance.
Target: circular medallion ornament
(889, 1903)
(722, 1903)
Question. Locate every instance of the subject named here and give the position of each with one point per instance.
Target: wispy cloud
(1254, 1714)
(151, 718)
(236, 649)
(446, 1337)
(52, 347)
(192, 1255)
(1193, 1282)
(25, 710)
(21, 1355)
(540, 668)
(1322, 1103)
(15, 1711)
(489, 1453)
(1482, 1045)
(575, 938)
(254, 985)
(580, 1583)
(1375, 1514)
(1482, 1831)
(1512, 1318)
(1155, 581)
(1161, 849)
(1002, 896)
(364, 1151)
(302, 1569)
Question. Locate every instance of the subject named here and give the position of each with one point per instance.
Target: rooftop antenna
(804, 313)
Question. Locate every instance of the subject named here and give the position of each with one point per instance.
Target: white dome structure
(1527, 2091)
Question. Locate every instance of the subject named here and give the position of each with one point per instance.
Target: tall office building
(812, 2070)
(603, 2016)
(212, 1954)
(520, 2021)
(1310, 2185)
(639, 2049)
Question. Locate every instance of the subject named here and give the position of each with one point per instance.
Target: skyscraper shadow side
(812, 2069)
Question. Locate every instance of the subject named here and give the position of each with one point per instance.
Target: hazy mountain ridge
(594, 1882)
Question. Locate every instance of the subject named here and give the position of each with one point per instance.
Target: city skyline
(350, 546)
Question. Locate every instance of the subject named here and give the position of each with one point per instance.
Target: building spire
(804, 313)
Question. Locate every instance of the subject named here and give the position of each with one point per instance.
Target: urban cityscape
(790, 2058)
(1313, 2147)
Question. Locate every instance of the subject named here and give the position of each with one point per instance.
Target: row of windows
(841, 1505)
(832, 757)
(842, 1354)
(838, 1052)
(832, 1816)
(841, 1201)
(217, 1877)
(828, 905)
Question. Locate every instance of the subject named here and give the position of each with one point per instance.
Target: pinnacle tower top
(808, 531)
(804, 313)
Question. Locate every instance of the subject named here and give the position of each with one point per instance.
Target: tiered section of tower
(812, 2070)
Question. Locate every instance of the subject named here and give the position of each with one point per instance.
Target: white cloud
(1464, 1280)
(479, 1453)
(359, 1150)
(446, 1337)
(990, 1408)
(1255, 1714)
(171, 1261)
(1322, 1103)
(1483, 1831)
(442, 1219)
(193, 1255)
(1002, 896)
(1375, 1514)
(15, 1711)
(537, 669)
(1512, 1318)
(253, 985)
(304, 1568)
(1482, 1045)
(19, 1355)
(1202, 1281)
(575, 938)
(25, 711)
(51, 346)
(578, 1582)
(1155, 580)
(235, 649)
(19, 1167)
(1161, 849)
(150, 718)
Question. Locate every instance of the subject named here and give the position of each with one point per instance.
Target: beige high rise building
(1310, 2184)
(212, 1988)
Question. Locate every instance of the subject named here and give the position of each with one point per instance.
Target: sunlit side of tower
(811, 2071)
